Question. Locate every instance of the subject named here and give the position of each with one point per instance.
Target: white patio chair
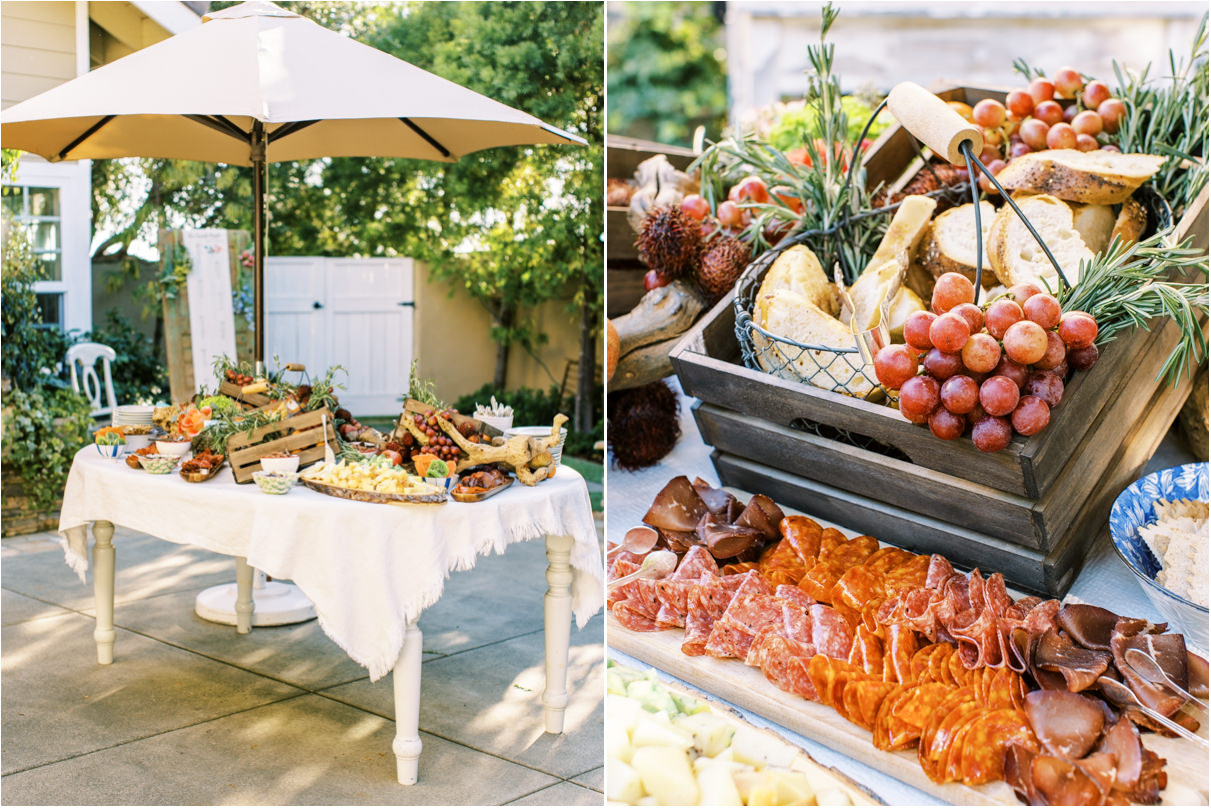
(86, 354)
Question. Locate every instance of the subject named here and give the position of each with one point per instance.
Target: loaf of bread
(1017, 257)
(950, 244)
(1094, 223)
(798, 270)
(1131, 221)
(1093, 177)
(790, 315)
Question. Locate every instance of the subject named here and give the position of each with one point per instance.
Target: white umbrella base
(275, 604)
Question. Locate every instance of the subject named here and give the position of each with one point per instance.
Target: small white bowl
(175, 448)
(136, 442)
(286, 465)
(158, 464)
(502, 422)
(274, 482)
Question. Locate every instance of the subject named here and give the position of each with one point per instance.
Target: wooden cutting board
(747, 687)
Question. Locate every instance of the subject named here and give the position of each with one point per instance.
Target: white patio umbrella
(256, 84)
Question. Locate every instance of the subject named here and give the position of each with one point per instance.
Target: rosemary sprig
(1169, 116)
(827, 198)
(1130, 286)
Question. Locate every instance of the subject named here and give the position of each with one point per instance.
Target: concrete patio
(193, 713)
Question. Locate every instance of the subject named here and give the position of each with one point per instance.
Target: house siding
(37, 48)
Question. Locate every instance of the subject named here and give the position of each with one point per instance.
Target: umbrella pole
(258, 235)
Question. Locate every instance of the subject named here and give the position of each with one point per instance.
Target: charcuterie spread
(984, 686)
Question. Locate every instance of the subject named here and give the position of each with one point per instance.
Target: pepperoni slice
(982, 758)
(938, 732)
(909, 716)
(919, 666)
(885, 559)
(864, 698)
(866, 653)
(804, 535)
(881, 735)
(898, 648)
(907, 576)
(856, 587)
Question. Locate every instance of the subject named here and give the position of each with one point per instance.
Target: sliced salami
(804, 535)
(831, 634)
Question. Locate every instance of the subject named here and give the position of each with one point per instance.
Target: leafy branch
(1131, 286)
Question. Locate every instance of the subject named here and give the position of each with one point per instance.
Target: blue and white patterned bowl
(1132, 510)
(110, 452)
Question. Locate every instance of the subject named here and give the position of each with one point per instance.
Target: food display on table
(275, 482)
(476, 485)
(374, 480)
(666, 747)
(158, 463)
(999, 693)
(280, 461)
(1158, 525)
(110, 441)
(132, 459)
(435, 433)
(202, 466)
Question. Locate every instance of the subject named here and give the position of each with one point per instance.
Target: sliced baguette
(1131, 221)
(950, 245)
(798, 270)
(1094, 177)
(791, 315)
(1094, 223)
(1017, 257)
(904, 233)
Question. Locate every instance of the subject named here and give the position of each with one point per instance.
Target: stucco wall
(37, 48)
(454, 347)
(880, 43)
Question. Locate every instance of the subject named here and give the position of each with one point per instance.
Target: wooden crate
(624, 272)
(252, 400)
(1030, 511)
(300, 434)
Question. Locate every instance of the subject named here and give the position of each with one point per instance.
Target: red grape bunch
(441, 444)
(1034, 119)
(999, 370)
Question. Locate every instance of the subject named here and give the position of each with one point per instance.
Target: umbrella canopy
(255, 84)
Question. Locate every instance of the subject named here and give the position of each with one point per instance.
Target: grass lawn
(592, 473)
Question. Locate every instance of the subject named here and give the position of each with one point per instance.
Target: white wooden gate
(355, 312)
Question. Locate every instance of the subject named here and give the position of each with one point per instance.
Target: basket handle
(933, 122)
(295, 366)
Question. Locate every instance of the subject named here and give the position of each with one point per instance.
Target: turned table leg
(244, 604)
(103, 590)
(406, 681)
(557, 625)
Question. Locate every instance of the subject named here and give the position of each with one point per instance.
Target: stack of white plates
(133, 415)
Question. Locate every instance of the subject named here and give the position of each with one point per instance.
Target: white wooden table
(370, 569)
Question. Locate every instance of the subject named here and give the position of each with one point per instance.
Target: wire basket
(842, 370)
(848, 370)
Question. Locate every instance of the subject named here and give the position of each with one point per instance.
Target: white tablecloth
(368, 568)
(1104, 580)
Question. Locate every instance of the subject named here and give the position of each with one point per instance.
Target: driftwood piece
(528, 457)
(644, 365)
(663, 313)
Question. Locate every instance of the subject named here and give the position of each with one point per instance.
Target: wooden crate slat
(252, 399)
(869, 473)
(244, 451)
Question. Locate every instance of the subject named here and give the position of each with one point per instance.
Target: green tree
(667, 71)
(514, 226)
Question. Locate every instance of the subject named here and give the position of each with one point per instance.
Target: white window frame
(74, 183)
